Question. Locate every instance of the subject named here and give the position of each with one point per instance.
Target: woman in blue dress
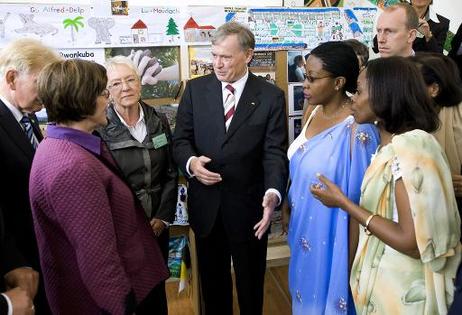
(330, 143)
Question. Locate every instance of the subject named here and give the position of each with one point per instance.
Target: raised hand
(328, 193)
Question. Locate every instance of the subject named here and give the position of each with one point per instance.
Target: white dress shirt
(238, 89)
(138, 130)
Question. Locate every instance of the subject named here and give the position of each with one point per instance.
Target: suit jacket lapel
(36, 127)
(247, 104)
(214, 106)
(14, 130)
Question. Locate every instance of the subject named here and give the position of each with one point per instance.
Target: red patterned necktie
(230, 105)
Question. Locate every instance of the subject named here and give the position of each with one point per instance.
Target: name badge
(159, 141)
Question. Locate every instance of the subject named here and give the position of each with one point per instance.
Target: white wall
(452, 9)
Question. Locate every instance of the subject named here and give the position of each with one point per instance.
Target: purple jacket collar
(83, 139)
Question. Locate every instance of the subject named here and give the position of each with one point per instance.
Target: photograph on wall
(119, 7)
(296, 60)
(200, 61)
(263, 61)
(295, 127)
(296, 99)
(263, 65)
(158, 67)
(269, 77)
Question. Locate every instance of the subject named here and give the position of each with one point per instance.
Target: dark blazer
(250, 156)
(435, 44)
(455, 44)
(3, 303)
(439, 32)
(16, 154)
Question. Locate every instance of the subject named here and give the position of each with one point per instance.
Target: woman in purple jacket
(97, 250)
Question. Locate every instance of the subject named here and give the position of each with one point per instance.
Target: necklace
(337, 113)
(333, 116)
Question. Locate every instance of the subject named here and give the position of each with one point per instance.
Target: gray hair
(26, 55)
(244, 35)
(111, 63)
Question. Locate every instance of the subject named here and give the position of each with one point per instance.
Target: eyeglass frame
(312, 79)
(118, 85)
(105, 93)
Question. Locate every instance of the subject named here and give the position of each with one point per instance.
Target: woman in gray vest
(139, 139)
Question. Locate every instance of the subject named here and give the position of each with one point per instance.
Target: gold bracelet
(366, 226)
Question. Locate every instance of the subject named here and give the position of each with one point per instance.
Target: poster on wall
(158, 67)
(323, 3)
(384, 3)
(63, 25)
(293, 28)
(90, 54)
(147, 25)
(68, 26)
(200, 61)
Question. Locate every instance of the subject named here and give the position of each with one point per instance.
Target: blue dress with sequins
(318, 236)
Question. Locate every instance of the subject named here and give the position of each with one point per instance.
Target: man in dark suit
(230, 139)
(20, 63)
(16, 300)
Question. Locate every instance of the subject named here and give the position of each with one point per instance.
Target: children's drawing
(2, 25)
(352, 21)
(194, 32)
(101, 27)
(139, 32)
(74, 24)
(32, 27)
(172, 29)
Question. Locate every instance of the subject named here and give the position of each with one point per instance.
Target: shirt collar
(86, 140)
(140, 119)
(13, 109)
(239, 84)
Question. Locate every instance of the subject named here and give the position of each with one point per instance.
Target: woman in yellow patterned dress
(409, 246)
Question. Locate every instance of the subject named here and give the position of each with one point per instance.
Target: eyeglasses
(117, 85)
(105, 93)
(311, 79)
